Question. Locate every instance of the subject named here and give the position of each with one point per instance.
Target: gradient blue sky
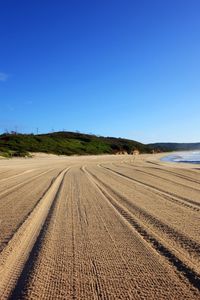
(110, 67)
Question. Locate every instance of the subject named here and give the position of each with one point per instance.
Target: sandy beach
(99, 227)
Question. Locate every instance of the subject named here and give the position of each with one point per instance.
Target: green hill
(66, 143)
(163, 147)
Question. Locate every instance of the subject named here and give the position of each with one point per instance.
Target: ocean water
(192, 157)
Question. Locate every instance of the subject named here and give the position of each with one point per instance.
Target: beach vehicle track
(151, 238)
(22, 184)
(169, 171)
(7, 173)
(185, 243)
(78, 289)
(16, 175)
(168, 195)
(9, 237)
(178, 174)
(102, 237)
(16, 253)
(20, 290)
(87, 263)
(163, 178)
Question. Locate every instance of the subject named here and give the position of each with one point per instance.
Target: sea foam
(192, 157)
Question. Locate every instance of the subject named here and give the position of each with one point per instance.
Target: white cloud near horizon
(3, 76)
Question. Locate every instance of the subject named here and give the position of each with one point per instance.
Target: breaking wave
(192, 157)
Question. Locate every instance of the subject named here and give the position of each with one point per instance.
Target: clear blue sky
(110, 67)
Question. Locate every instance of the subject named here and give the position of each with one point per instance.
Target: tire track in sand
(16, 253)
(171, 255)
(188, 173)
(18, 185)
(187, 245)
(186, 184)
(17, 175)
(168, 195)
(4, 242)
(170, 172)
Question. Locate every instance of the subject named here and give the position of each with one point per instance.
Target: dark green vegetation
(65, 143)
(163, 147)
(74, 143)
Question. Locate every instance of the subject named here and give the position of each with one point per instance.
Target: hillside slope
(66, 143)
(175, 146)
